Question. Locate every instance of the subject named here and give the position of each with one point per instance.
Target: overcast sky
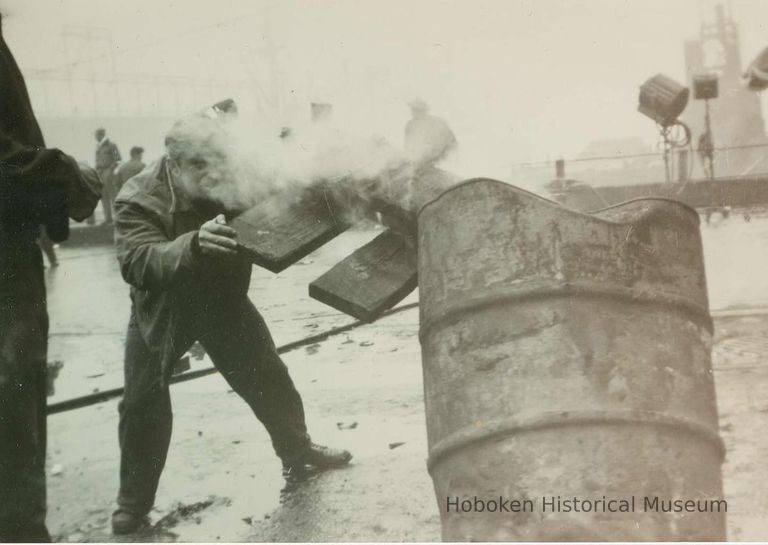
(517, 79)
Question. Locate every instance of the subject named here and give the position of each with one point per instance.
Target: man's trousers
(23, 390)
(108, 192)
(242, 349)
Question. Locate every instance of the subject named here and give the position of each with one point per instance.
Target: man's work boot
(128, 522)
(316, 457)
(325, 457)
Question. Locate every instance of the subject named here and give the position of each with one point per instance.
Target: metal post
(667, 148)
(560, 169)
(710, 139)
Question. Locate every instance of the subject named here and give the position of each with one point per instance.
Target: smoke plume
(250, 161)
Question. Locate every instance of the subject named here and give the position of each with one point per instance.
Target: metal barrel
(567, 369)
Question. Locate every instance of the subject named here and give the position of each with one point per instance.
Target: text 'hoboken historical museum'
(558, 504)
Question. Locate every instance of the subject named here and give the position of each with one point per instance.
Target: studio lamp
(663, 100)
(756, 75)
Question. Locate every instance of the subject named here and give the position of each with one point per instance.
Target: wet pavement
(362, 390)
(736, 259)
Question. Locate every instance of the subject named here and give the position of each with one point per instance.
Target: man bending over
(188, 284)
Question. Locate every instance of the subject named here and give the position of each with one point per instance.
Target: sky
(517, 80)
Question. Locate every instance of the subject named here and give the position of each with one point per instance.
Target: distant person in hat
(428, 138)
(107, 158)
(706, 149)
(189, 284)
(129, 169)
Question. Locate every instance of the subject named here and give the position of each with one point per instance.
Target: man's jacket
(175, 289)
(428, 139)
(37, 185)
(107, 155)
(126, 171)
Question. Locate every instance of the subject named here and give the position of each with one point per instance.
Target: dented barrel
(567, 372)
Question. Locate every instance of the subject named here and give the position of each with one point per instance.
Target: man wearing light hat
(188, 284)
(428, 138)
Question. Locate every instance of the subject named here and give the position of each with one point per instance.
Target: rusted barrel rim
(517, 189)
(452, 309)
(680, 204)
(499, 428)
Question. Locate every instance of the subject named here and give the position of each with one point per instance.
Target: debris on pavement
(346, 426)
(187, 511)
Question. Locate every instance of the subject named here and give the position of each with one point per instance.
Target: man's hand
(216, 238)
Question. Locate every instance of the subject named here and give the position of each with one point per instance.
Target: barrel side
(567, 355)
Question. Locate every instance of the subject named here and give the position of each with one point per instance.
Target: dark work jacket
(428, 139)
(126, 171)
(176, 291)
(18, 120)
(38, 186)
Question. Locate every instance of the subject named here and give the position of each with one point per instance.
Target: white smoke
(254, 161)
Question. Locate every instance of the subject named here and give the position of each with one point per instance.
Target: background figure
(706, 153)
(107, 158)
(46, 245)
(130, 169)
(38, 187)
(428, 138)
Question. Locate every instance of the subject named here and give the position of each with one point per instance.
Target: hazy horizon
(517, 80)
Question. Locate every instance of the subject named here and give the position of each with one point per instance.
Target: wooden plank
(400, 206)
(371, 280)
(275, 236)
(383, 272)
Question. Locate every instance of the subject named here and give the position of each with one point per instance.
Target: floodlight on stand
(704, 86)
(663, 100)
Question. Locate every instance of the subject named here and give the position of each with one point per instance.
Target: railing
(682, 165)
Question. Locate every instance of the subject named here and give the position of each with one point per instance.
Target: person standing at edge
(188, 284)
(428, 139)
(38, 187)
(129, 169)
(107, 158)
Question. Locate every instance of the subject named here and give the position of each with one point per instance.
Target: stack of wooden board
(372, 279)
(382, 273)
(275, 235)
(376, 276)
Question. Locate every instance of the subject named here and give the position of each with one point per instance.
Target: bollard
(567, 372)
